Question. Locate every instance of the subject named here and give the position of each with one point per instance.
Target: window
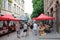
(57, 2)
(51, 10)
(19, 2)
(15, 0)
(22, 2)
(19, 10)
(3, 4)
(22, 11)
(48, 13)
(9, 6)
(14, 8)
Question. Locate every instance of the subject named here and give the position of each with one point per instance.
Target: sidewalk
(50, 36)
(31, 36)
(12, 36)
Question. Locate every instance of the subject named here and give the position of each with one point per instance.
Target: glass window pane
(3, 4)
(9, 6)
(14, 8)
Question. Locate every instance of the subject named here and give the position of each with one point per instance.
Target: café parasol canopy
(44, 17)
(33, 18)
(8, 17)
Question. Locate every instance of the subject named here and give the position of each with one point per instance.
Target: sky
(28, 6)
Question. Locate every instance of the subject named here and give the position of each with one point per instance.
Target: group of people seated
(44, 29)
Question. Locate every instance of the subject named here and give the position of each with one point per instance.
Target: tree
(10, 1)
(38, 8)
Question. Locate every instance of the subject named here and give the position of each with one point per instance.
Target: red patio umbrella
(51, 18)
(44, 17)
(8, 17)
(5, 17)
(33, 18)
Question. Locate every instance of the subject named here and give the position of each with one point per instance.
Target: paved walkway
(31, 36)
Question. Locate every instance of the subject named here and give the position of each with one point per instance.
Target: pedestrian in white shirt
(35, 28)
(25, 29)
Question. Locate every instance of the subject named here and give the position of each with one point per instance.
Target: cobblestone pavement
(31, 36)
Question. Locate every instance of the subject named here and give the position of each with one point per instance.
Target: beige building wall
(5, 7)
(51, 9)
(19, 7)
(15, 8)
(45, 6)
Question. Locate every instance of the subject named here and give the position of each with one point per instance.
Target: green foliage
(10, 1)
(0, 5)
(0, 2)
(38, 8)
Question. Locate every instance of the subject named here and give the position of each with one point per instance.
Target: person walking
(17, 29)
(21, 30)
(35, 28)
(25, 29)
(28, 28)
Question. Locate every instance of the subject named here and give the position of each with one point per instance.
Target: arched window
(51, 10)
(3, 4)
(57, 2)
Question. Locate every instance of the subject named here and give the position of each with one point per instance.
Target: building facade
(52, 8)
(14, 7)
